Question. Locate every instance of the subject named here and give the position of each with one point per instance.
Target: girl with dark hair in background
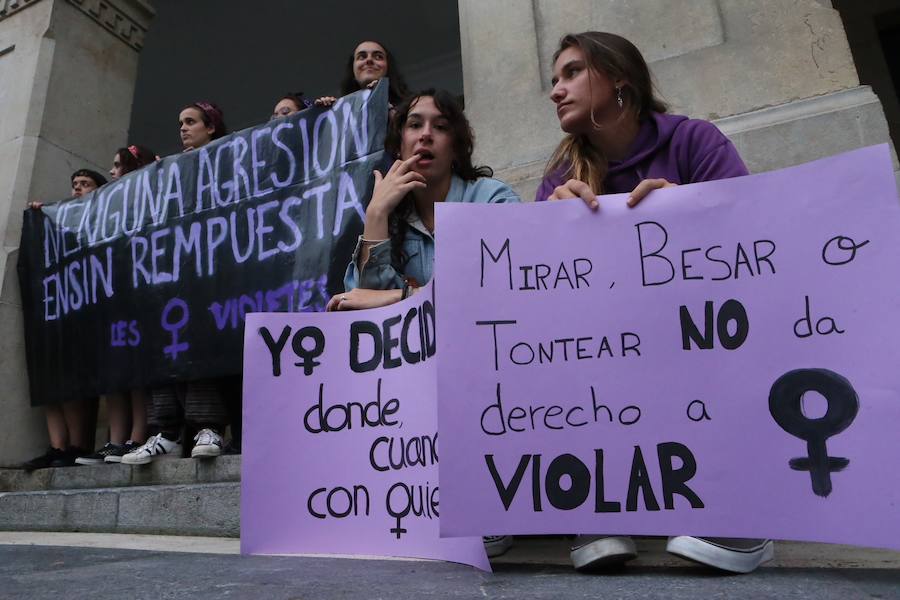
(370, 62)
(395, 254)
(199, 124)
(290, 104)
(131, 159)
(621, 140)
(127, 412)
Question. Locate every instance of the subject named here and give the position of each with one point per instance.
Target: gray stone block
(17, 480)
(174, 471)
(221, 469)
(166, 471)
(209, 509)
(81, 510)
(89, 476)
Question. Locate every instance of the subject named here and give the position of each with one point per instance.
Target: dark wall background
(245, 55)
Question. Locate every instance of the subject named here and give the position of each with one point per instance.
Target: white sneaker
(729, 554)
(598, 552)
(155, 447)
(207, 444)
(495, 545)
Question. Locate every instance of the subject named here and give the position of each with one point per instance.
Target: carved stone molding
(8, 7)
(130, 26)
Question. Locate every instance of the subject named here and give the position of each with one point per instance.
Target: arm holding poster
(621, 139)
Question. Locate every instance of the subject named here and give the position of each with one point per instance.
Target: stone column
(776, 76)
(67, 72)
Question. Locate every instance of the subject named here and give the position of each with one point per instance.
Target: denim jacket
(380, 273)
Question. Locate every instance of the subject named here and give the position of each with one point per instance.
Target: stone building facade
(777, 76)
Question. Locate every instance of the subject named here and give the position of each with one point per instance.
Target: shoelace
(207, 437)
(149, 445)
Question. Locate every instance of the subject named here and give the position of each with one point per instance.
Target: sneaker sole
(113, 459)
(206, 452)
(88, 461)
(144, 460)
(726, 559)
(606, 552)
(495, 549)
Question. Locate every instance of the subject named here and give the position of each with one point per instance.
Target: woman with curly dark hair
(433, 143)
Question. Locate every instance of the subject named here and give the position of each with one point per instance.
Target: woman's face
(285, 107)
(369, 63)
(577, 89)
(428, 134)
(117, 168)
(194, 132)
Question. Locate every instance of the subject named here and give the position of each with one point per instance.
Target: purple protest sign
(340, 435)
(719, 360)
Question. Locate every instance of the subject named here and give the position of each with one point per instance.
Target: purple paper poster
(720, 360)
(340, 435)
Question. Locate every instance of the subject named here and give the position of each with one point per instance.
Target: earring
(619, 96)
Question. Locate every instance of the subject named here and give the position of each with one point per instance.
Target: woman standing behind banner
(620, 140)
(199, 124)
(127, 412)
(370, 62)
(290, 104)
(66, 422)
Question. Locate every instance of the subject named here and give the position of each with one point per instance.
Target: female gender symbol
(175, 347)
(785, 399)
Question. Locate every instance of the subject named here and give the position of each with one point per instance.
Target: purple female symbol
(175, 347)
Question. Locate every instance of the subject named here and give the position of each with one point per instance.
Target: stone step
(168, 471)
(206, 509)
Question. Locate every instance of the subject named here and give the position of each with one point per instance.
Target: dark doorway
(873, 30)
(246, 55)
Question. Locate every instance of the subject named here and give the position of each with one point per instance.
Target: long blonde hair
(618, 58)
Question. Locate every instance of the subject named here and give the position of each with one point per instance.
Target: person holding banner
(620, 139)
(203, 407)
(131, 159)
(370, 62)
(66, 425)
(395, 254)
(127, 412)
(200, 123)
(290, 104)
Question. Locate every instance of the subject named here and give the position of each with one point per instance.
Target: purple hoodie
(671, 147)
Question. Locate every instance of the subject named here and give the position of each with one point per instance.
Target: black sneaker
(53, 457)
(115, 455)
(99, 457)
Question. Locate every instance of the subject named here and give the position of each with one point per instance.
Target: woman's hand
(644, 188)
(392, 187)
(359, 299)
(35, 205)
(326, 101)
(576, 189)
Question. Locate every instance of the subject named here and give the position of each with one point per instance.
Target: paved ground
(40, 572)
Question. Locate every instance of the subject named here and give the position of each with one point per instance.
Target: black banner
(147, 280)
